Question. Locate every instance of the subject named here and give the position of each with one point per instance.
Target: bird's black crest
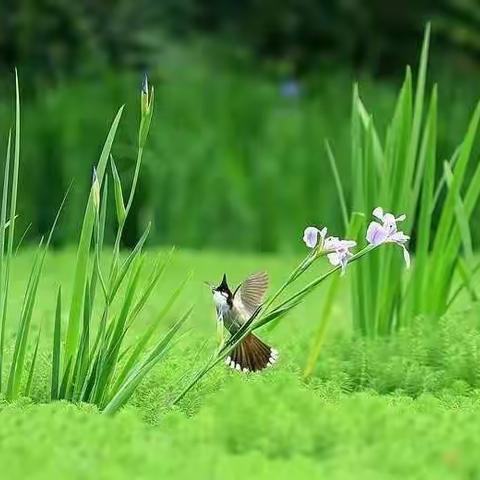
(223, 287)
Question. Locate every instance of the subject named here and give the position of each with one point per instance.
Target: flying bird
(233, 310)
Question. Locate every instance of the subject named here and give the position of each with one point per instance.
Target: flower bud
(146, 111)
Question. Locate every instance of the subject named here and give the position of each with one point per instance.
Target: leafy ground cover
(406, 407)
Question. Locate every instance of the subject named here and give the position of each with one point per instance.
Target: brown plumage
(234, 309)
(251, 355)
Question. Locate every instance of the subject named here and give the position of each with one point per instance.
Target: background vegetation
(227, 130)
(235, 167)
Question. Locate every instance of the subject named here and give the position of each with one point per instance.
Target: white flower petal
(398, 237)
(331, 243)
(349, 243)
(378, 213)
(310, 236)
(334, 259)
(389, 223)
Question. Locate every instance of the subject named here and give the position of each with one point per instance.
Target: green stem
(251, 325)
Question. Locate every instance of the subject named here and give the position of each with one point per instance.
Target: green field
(408, 407)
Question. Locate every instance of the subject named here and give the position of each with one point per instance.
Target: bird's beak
(209, 285)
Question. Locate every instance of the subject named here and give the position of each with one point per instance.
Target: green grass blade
(467, 273)
(3, 218)
(338, 183)
(124, 269)
(417, 120)
(13, 210)
(66, 376)
(56, 347)
(461, 216)
(80, 274)
(119, 202)
(326, 311)
(427, 200)
(16, 367)
(133, 380)
(79, 370)
(109, 363)
(143, 342)
(32, 366)
(448, 210)
(442, 183)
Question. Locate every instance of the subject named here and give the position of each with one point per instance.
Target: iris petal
(376, 234)
(310, 236)
(378, 213)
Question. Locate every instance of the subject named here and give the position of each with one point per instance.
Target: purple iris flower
(337, 250)
(313, 237)
(387, 232)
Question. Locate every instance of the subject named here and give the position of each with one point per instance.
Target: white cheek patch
(219, 299)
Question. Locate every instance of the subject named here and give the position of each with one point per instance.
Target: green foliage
(15, 385)
(380, 408)
(89, 365)
(256, 159)
(399, 175)
(66, 38)
(374, 409)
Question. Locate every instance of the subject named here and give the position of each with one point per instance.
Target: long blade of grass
(119, 202)
(143, 342)
(122, 272)
(109, 364)
(461, 215)
(23, 330)
(80, 273)
(133, 380)
(32, 366)
(3, 218)
(56, 347)
(417, 120)
(428, 151)
(338, 183)
(326, 312)
(448, 210)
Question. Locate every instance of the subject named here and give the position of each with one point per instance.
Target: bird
(233, 310)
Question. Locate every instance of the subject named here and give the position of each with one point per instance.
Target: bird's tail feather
(251, 355)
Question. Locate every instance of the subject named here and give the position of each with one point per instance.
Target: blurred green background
(246, 94)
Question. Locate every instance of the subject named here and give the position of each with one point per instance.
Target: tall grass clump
(16, 380)
(97, 367)
(403, 174)
(90, 362)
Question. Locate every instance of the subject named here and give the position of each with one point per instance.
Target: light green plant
(92, 364)
(400, 174)
(16, 384)
(97, 367)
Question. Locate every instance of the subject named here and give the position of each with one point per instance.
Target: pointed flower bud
(146, 111)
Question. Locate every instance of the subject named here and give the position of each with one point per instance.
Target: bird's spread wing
(249, 295)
